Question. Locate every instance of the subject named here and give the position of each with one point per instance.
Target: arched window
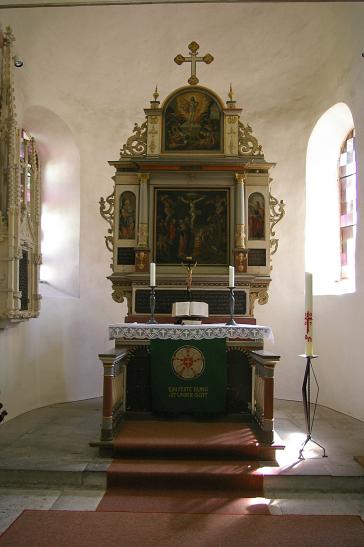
(331, 202)
(60, 160)
(347, 191)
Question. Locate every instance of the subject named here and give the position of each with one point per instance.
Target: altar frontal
(188, 376)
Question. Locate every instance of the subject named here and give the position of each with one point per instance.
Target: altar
(191, 188)
(210, 370)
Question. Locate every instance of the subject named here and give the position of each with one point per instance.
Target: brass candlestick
(152, 319)
(231, 307)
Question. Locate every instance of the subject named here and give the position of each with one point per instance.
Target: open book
(190, 309)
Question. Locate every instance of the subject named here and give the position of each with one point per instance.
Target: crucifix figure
(193, 59)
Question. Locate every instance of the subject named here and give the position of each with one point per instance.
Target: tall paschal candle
(308, 314)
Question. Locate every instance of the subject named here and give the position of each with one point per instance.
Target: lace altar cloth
(144, 331)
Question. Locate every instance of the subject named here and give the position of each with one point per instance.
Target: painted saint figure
(127, 216)
(256, 216)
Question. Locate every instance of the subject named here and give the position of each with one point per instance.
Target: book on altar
(190, 309)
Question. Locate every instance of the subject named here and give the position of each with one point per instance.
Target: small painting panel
(126, 256)
(192, 121)
(127, 215)
(256, 216)
(191, 222)
(257, 257)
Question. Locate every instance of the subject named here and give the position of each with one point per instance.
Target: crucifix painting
(192, 122)
(191, 222)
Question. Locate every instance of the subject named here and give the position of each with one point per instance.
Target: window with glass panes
(347, 190)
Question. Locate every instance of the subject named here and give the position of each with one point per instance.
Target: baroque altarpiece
(192, 180)
(20, 204)
(191, 185)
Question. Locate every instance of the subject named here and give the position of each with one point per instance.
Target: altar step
(190, 439)
(186, 474)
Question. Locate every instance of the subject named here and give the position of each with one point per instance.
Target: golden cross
(193, 59)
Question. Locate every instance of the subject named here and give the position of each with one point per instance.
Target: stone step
(162, 473)
(184, 439)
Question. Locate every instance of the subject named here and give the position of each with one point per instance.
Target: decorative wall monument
(20, 205)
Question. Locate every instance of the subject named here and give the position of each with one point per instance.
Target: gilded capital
(240, 178)
(143, 177)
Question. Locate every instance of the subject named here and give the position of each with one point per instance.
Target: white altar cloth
(145, 331)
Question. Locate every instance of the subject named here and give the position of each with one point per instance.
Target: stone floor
(47, 463)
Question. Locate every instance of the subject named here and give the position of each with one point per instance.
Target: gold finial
(156, 94)
(231, 93)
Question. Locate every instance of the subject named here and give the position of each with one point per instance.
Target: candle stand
(306, 398)
(231, 306)
(152, 319)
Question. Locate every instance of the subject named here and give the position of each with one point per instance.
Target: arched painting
(192, 121)
(256, 216)
(127, 215)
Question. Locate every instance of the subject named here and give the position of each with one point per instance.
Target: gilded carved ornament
(152, 145)
(107, 208)
(277, 212)
(240, 236)
(231, 133)
(142, 260)
(261, 295)
(136, 145)
(248, 145)
(120, 293)
(143, 234)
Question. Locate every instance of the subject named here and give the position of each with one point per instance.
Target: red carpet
(185, 467)
(204, 438)
(194, 474)
(92, 529)
(168, 500)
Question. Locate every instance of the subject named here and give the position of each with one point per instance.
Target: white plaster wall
(96, 68)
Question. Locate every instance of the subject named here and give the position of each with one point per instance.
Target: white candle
(308, 314)
(231, 276)
(152, 274)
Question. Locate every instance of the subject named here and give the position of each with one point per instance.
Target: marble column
(142, 250)
(240, 252)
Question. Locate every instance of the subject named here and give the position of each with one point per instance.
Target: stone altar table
(127, 371)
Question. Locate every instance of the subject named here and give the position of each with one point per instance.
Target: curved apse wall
(60, 174)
